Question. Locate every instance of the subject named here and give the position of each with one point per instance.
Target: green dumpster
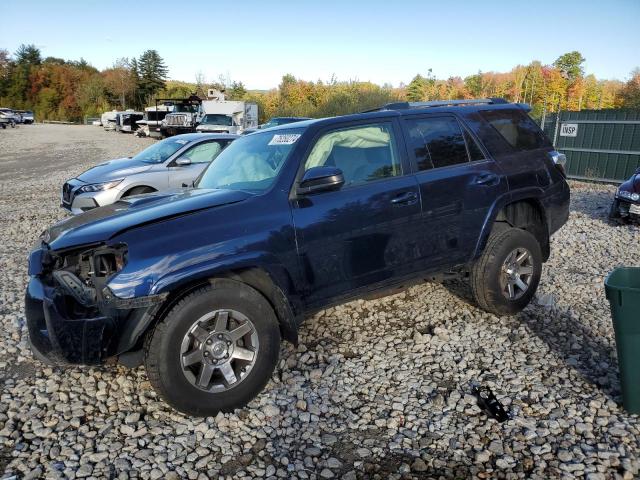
(623, 292)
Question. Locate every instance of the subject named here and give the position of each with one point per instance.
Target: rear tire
(505, 277)
(614, 211)
(196, 362)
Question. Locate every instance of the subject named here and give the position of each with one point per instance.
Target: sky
(257, 42)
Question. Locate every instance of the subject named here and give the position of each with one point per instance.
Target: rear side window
(517, 128)
(437, 142)
(474, 150)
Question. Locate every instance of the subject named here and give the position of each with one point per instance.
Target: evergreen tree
(571, 64)
(28, 55)
(236, 91)
(152, 74)
(416, 89)
(26, 58)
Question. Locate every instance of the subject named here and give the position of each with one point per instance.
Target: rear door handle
(487, 179)
(405, 198)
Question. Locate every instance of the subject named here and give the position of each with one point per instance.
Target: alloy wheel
(516, 273)
(219, 350)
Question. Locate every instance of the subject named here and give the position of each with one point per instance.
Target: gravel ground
(376, 388)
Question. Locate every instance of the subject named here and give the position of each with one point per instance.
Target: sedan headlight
(629, 195)
(99, 187)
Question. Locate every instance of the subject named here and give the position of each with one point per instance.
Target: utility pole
(555, 133)
(544, 100)
(600, 99)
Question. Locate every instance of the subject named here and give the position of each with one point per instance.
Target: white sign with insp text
(569, 130)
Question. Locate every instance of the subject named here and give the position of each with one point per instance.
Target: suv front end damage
(72, 315)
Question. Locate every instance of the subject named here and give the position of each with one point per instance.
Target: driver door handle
(405, 198)
(487, 179)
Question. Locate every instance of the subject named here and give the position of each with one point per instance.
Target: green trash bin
(622, 287)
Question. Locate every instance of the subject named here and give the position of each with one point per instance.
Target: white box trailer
(227, 116)
(108, 120)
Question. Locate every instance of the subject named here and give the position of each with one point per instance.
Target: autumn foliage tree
(120, 82)
(630, 93)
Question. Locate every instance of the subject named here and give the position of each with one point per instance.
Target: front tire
(138, 191)
(505, 277)
(215, 350)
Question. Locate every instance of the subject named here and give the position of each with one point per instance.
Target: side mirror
(183, 161)
(320, 179)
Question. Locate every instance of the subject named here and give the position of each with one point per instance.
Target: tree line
(58, 89)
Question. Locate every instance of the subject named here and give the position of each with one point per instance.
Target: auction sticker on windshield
(284, 139)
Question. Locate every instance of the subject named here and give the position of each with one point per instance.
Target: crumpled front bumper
(625, 208)
(65, 329)
(60, 340)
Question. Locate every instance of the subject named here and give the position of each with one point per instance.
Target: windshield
(186, 108)
(216, 119)
(276, 122)
(154, 115)
(271, 123)
(251, 163)
(159, 152)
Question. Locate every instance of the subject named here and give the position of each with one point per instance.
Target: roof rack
(439, 103)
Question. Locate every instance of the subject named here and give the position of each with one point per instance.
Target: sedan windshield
(216, 119)
(161, 151)
(251, 163)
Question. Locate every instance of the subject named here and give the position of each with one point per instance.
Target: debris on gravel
(375, 389)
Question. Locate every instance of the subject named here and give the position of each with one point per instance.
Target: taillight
(559, 160)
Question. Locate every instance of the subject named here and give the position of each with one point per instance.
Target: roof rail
(439, 103)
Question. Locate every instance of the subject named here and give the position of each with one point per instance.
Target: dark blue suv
(202, 284)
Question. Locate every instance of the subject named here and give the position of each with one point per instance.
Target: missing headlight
(109, 260)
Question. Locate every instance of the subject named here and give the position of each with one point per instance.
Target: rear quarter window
(516, 128)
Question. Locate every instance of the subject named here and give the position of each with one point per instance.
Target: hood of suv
(114, 170)
(102, 223)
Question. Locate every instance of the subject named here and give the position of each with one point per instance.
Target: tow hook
(488, 403)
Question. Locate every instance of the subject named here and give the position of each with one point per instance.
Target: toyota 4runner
(201, 285)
